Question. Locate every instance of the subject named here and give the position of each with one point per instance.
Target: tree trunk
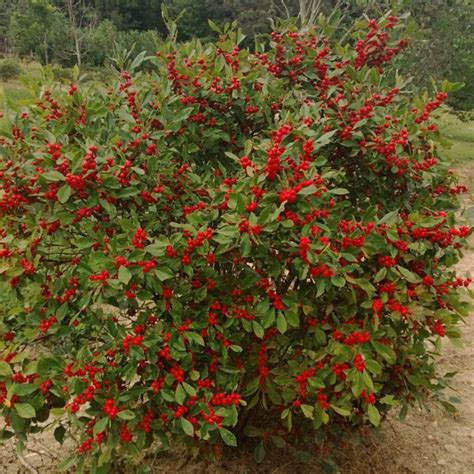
(46, 56)
(78, 48)
(75, 27)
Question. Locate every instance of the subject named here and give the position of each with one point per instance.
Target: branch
(315, 9)
(309, 10)
(286, 9)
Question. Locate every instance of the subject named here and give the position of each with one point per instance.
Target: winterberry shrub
(226, 233)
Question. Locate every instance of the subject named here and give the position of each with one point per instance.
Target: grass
(460, 134)
(15, 93)
(460, 151)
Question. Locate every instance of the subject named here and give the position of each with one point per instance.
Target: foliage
(89, 30)
(140, 15)
(100, 43)
(9, 69)
(230, 234)
(442, 48)
(38, 28)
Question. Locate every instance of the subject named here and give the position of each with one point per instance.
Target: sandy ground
(430, 440)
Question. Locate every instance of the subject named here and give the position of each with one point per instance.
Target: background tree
(139, 15)
(82, 21)
(36, 29)
(443, 47)
(100, 42)
(6, 9)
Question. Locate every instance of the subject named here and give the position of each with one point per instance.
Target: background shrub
(233, 244)
(9, 69)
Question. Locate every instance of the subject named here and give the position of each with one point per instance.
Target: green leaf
(410, 276)
(381, 274)
(341, 411)
(307, 190)
(50, 365)
(232, 156)
(126, 193)
(54, 176)
(389, 218)
(158, 248)
(357, 384)
(324, 139)
(308, 411)
(373, 366)
(189, 389)
(228, 437)
(214, 27)
(64, 193)
(124, 274)
(279, 442)
(339, 191)
(23, 389)
(374, 415)
(389, 400)
(253, 432)
(369, 215)
(25, 410)
(101, 425)
(245, 246)
(338, 281)
(368, 381)
(164, 273)
(140, 58)
(84, 242)
(403, 412)
(386, 352)
(4, 435)
(282, 326)
(316, 382)
(126, 415)
(187, 426)
(257, 329)
(259, 452)
(5, 368)
(180, 394)
(292, 318)
(195, 337)
(365, 285)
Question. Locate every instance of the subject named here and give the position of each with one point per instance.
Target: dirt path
(430, 440)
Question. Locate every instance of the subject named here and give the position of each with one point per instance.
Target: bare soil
(430, 439)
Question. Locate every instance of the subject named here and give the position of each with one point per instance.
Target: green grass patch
(460, 135)
(16, 93)
(457, 129)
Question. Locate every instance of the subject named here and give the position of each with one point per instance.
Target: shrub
(60, 73)
(100, 43)
(9, 69)
(232, 234)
